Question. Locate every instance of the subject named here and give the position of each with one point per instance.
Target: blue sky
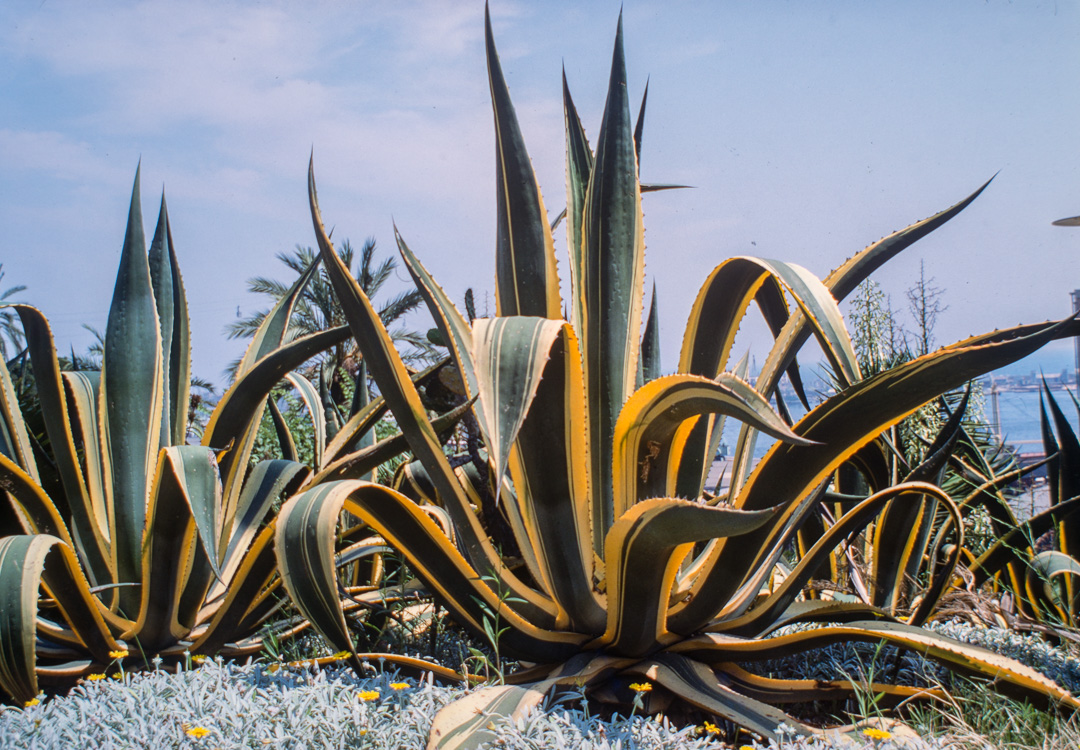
(808, 129)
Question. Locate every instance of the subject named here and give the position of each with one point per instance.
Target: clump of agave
(119, 539)
(634, 583)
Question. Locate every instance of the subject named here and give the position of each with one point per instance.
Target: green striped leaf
(131, 394)
(579, 166)
(26, 562)
(175, 339)
(645, 549)
(647, 451)
(613, 278)
(305, 548)
(1009, 676)
(510, 354)
(526, 279)
(699, 686)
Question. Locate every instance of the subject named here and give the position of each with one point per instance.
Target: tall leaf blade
(579, 166)
(132, 389)
(527, 281)
(613, 280)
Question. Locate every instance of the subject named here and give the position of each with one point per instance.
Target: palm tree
(11, 333)
(318, 309)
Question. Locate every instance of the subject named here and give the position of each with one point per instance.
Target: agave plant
(630, 574)
(1041, 578)
(120, 537)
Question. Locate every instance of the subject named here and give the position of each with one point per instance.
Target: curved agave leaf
(313, 402)
(305, 551)
(1009, 676)
(464, 723)
(646, 451)
(274, 328)
(75, 501)
(235, 422)
(268, 482)
(1048, 583)
(22, 562)
(714, 320)
(526, 279)
(644, 550)
(509, 354)
(699, 686)
(362, 421)
(1007, 548)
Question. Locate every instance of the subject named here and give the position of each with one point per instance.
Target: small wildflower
(399, 685)
(197, 732)
(369, 695)
(96, 676)
(363, 732)
(198, 658)
(641, 687)
(746, 747)
(341, 655)
(876, 734)
(119, 654)
(31, 702)
(273, 668)
(117, 676)
(709, 728)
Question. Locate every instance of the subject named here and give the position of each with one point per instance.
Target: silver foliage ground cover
(266, 706)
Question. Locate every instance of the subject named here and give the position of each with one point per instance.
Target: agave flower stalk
(630, 570)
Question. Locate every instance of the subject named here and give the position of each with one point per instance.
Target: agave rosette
(119, 536)
(629, 571)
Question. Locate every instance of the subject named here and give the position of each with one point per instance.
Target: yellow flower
(641, 687)
(341, 655)
(120, 654)
(746, 747)
(95, 677)
(369, 695)
(198, 658)
(363, 732)
(197, 732)
(32, 702)
(709, 728)
(877, 734)
(399, 685)
(273, 668)
(117, 676)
